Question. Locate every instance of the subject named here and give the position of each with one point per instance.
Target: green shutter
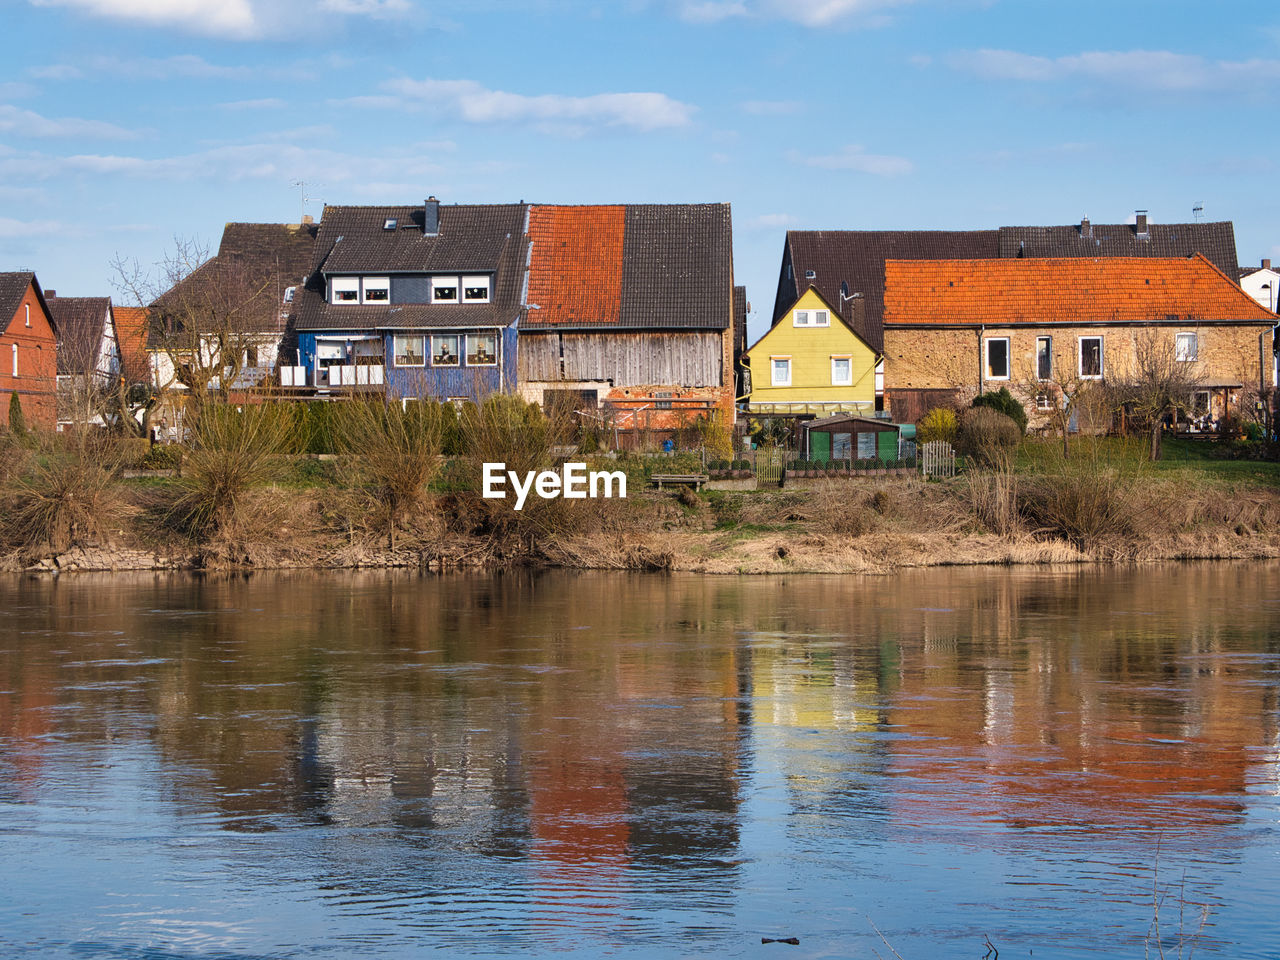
(887, 445)
(819, 446)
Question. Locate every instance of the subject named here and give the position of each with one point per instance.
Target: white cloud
(1154, 71)
(10, 228)
(220, 18)
(266, 103)
(477, 104)
(711, 11)
(377, 9)
(772, 108)
(16, 91)
(26, 123)
(855, 158)
(144, 68)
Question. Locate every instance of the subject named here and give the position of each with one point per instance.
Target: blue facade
(428, 380)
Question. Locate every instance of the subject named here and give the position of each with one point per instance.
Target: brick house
(954, 328)
(631, 310)
(28, 350)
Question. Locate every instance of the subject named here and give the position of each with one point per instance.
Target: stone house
(1044, 327)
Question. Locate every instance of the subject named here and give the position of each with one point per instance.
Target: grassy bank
(72, 507)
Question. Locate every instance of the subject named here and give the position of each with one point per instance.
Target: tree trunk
(1155, 439)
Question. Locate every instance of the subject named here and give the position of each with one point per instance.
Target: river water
(389, 765)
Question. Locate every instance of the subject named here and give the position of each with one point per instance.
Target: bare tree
(206, 318)
(1158, 381)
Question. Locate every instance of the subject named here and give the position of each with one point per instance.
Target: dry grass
(63, 493)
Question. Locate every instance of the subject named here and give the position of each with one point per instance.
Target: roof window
(389, 223)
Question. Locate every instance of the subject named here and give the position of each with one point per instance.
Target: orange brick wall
(37, 380)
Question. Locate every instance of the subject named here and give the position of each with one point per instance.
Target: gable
(835, 337)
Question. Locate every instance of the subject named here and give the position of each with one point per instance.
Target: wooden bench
(695, 480)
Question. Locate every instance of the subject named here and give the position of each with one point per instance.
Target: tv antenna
(302, 187)
(1197, 211)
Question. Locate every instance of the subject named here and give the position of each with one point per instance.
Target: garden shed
(847, 436)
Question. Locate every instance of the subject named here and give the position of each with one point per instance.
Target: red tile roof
(1063, 290)
(575, 275)
(131, 334)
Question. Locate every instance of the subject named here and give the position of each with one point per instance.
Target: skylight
(389, 223)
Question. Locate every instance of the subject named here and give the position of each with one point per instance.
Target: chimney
(50, 294)
(308, 219)
(1140, 222)
(1086, 228)
(431, 217)
(1266, 265)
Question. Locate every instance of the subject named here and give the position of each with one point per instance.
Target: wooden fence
(937, 459)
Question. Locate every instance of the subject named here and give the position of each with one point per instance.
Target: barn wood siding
(626, 359)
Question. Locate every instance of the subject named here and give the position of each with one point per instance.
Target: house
(412, 300)
(1262, 283)
(1044, 327)
(28, 350)
(847, 266)
(630, 313)
(812, 362)
(88, 359)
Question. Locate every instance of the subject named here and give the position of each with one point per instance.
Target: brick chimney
(1140, 223)
(308, 219)
(431, 217)
(50, 294)
(1086, 228)
(1266, 265)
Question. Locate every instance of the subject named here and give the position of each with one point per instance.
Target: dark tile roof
(854, 259)
(672, 269)
(260, 259)
(1217, 241)
(472, 237)
(80, 322)
(13, 287)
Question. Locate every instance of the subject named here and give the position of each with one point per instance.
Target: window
(475, 289)
(377, 289)
(1044, 401)
(369, 352)
(26, 309)
(251, 355)
(781, 367)
(842, 446)
(444, 289)
(15, 359)
(1187, 347)
(812, 318)
(444, 350)
(997, 365)
(344, 289)
(1044, 358)
(409, 351)
(482, 349)
(842, 371)
(662, 400)
(1091, 357)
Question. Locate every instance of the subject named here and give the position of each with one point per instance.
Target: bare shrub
(1090, 500)
(66, 494)
(833, 510)
(992, 496)
(393, 453)
(233, 450)
(987, 436)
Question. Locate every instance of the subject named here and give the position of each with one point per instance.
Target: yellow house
(811, 361)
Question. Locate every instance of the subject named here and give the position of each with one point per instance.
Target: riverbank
(843, 525)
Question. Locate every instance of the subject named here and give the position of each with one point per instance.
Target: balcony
(350, 375)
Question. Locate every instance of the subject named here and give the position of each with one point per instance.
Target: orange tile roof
(575, 272)
(1064, 290)
(131, 334)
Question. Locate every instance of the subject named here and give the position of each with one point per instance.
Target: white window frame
(396, 352)
(1182, 355)
(457, 350)
(339, 285)
(774, 381)
(986, 358)
(26, 307)
(438, 283)
(1080, 357)
(811, 318)
(846, 381)
(1043, 377)
(1044, 401)
(471, 337)
(469, 283)
(15, 359)
(375, 283)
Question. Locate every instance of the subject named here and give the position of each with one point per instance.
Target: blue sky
(127, 123)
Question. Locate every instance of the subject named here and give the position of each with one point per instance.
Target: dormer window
(344, 290)
(377, 290)
(444, 289)
(475, 289)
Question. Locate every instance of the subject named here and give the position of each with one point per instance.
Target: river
(389, 765)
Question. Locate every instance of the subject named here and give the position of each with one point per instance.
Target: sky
(127, 126)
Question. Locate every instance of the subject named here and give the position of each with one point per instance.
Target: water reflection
(499, 763)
